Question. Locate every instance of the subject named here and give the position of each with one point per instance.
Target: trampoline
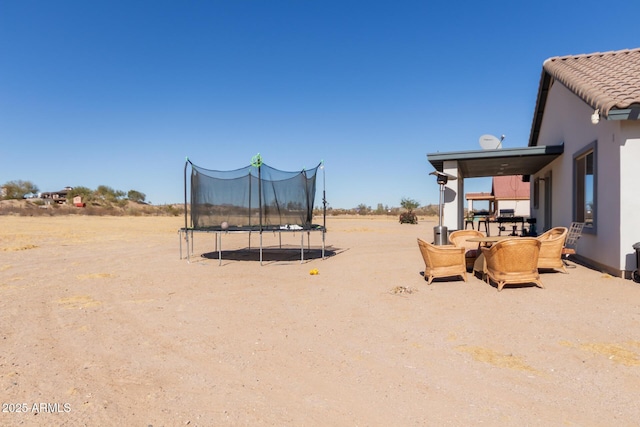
(254, 199)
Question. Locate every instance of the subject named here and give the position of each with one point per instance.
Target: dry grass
(494, 358)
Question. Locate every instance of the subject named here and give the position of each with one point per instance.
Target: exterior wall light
(595, 117)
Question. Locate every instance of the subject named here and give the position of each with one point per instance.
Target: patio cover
(511, 161)
(524, 161)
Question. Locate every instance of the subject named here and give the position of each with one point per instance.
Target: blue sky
(119, 93)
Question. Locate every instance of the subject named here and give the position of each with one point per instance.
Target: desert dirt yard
(102, 323)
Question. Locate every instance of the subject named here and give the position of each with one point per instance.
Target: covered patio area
(524, 161)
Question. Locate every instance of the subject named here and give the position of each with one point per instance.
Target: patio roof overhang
(510, 161)
(480, 196)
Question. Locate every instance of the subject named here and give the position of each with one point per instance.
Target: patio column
(453, 203)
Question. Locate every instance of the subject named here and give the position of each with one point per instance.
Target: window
(585, 200)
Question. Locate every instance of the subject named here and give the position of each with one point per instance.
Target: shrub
(136, 196)
(408, 218)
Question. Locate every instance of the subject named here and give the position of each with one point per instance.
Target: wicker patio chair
(552, 242)
(513, 261)
(459, 238)
(442, 261)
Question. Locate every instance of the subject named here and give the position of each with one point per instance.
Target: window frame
(579, 183)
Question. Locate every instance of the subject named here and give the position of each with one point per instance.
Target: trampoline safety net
(256, 197)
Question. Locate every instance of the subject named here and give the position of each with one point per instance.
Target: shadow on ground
(272, 254)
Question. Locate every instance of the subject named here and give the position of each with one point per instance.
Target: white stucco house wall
(590, 104)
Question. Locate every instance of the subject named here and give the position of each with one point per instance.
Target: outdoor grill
(507, 217)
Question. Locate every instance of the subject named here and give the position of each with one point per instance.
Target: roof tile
(606, 81)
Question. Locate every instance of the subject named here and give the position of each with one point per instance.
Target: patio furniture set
(503, 260)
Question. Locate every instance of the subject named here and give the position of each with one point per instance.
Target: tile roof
(606, 81)
(510, 188)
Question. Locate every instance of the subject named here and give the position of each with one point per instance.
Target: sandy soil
(102, 323)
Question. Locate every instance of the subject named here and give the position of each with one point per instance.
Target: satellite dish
(490, 142)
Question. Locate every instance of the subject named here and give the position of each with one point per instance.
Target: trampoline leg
(301, 247)
(187, 246)
(219, 245)
(261, 248)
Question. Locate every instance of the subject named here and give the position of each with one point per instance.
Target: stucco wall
(567, 119)
(629, 192)
(520, 207)
(453, 198)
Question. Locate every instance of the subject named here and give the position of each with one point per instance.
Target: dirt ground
(102, 323)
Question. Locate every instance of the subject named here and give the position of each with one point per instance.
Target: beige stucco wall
(567, 119)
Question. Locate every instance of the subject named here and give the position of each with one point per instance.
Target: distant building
(77, 202)
(510, 192)
(507, 192)
(59, 197)
(481, 198)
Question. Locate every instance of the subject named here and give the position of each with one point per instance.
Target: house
(583, 149)
(59, 197)
(591, 104)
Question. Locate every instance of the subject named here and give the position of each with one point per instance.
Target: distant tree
(380, 210)
(409, 204)
(363, 209)
(108, 194)
(409, 217)
(136, 196)
(18, 189)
